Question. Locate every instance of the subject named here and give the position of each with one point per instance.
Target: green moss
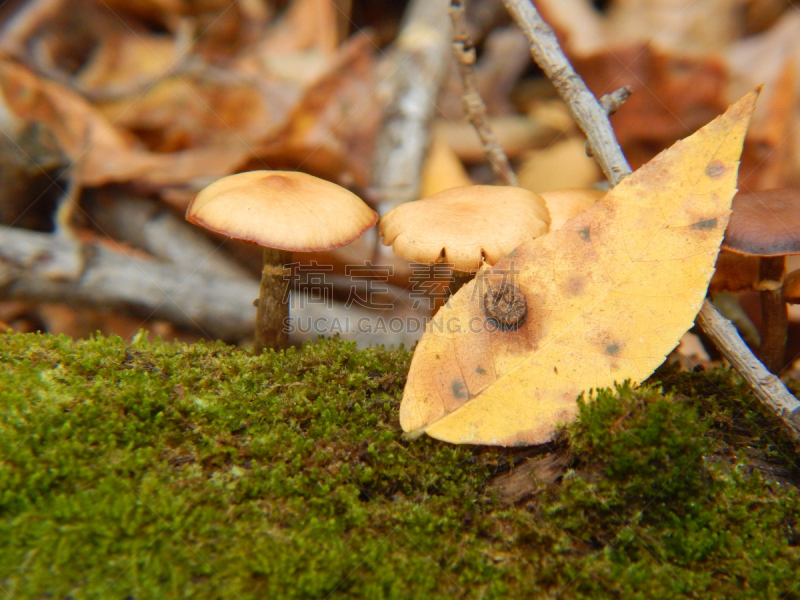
(152, 470)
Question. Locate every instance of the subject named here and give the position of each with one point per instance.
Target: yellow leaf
(608, 296)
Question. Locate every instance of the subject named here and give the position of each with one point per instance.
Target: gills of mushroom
(465, 226)
(766, 224)
(284, 212)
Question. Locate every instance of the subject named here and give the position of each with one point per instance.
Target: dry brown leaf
(306, 24)
(681, 26)
(668, 52)
(675, 26)
(101, 153)
(608, 296)
(562, 165)
(673, 95)
(185, 112)
(331, 131)
(96, 147)
(768, 159)
(552, 114)
(126, 63)
(442, 169)
(515, 134)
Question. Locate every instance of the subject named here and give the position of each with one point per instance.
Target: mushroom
(464, 226)
(767, 224)
(565, 204)
(284, 212)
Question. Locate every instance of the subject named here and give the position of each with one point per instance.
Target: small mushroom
(767, 224)
(565, 204)
(464, 226)
(284, 212)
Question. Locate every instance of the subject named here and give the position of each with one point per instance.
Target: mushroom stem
(273, 304)
(774, 316)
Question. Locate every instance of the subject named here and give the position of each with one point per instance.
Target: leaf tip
(410, 436)
(747, 102)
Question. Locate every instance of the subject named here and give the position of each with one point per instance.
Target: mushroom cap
(765, 223)
(464, 225)
(568, 203)
(282, 209)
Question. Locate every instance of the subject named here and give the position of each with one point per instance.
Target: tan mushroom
(284, 212)
(767, 224)
(465, 226)
(565, 204)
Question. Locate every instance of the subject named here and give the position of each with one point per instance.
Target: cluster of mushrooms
(287, 212)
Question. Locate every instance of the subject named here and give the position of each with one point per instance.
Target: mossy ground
(150, 470)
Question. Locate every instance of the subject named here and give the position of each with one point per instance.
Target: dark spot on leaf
(584, 233)
(480, 370)
(555, 370)
(513, 253)
(715, 168)
(459, 389)
(707, 224)
(612, 349)
(575, 285)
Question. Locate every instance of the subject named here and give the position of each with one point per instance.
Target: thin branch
(418, 63)
(51, 268)
(769, 388)
(474, 106)
(611, 102)
(581, 103)
(592, 118)
(152, 227)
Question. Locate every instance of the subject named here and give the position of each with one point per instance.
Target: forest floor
(146, 469)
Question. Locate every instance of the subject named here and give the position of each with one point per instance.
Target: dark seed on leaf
(506, 307)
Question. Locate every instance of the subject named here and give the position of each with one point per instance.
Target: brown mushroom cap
(464, 225)
(568, 203)
(765, 223)
(282, 209)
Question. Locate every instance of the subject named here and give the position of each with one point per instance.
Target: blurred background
(114, 113)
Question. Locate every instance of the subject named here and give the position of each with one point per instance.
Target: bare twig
(611, 102)
(769, 388)
(592, 118)
(473, 103)
(582, 105)
(50, 268)
(504, 59)
(150, 226)
(418, 61)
